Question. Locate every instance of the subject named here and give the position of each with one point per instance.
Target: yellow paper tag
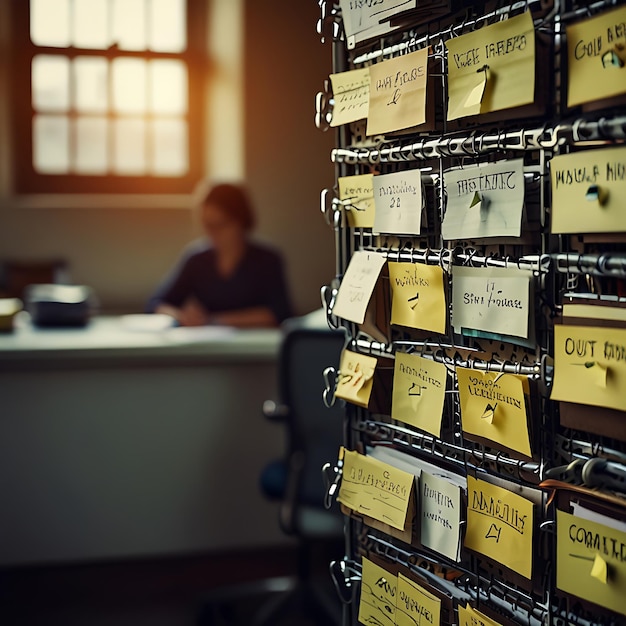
(500, 525)
(417, 296)
(375, 489)
(492, 68)
(493, 406)
(415, 605)
(379, 589)
(590, 365)
(590, 76)
(356, 377)
(351, 91)
(469, 616)
(357, 193)
(419, 387)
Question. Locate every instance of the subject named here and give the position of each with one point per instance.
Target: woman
(231, 282)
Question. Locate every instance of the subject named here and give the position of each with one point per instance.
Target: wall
(122, 249)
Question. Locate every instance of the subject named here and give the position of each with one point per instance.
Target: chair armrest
(275, 412)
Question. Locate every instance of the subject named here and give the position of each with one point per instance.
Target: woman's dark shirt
(258, 281)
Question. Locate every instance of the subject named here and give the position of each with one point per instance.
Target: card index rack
(479, 214)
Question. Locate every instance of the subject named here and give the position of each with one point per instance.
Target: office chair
(314, 434)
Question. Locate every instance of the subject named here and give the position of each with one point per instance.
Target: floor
(181, 591)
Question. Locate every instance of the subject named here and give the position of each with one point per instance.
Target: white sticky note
(398, 203)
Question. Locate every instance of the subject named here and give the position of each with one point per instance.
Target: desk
(117, 443)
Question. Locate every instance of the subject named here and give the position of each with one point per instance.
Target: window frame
(25, 180)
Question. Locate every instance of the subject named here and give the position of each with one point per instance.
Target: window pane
(129, 85)
(129, 24)
(50, 22)
(91, 136)
(90, 24)
(170, 147)
(129, 156)
(51, 144)
(167, 26)
(51, 85)
(90, 84)
(168, 87)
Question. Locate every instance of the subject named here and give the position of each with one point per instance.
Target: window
(106, 96)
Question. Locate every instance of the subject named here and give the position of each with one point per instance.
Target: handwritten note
(596, 57)
(591, 561)
(493, 299)
(379, 590)
(485, 200)
(364, 20)
(357, 195)
(419, 387)
(492, 68)
(590, 365)
(357, 285)
(398, 93)
(589, 191)
(469, 616)
(351, 92)
(356, 377)
(376, 489)
(440, 504)
(493, 406)
(415, 606)
(398, 202)
(418, 297)
(500, 525)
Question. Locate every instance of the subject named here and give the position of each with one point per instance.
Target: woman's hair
(235, 203)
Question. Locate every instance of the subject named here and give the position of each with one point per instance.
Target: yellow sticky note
(415, 605)
(419, 387)
(492, 68)
(417, 296)
(357, 285)
(596, 57)
(356, 377)
(590, 365)
(357, 193)
(398, 93)
(351, 92)
(500, 525)
(493, 406)
(469, 616)
(599, 569)
(379, 590)
(589, 191)
(375, 489)
(591, 561)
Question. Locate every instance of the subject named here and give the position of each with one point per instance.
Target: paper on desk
(500, 525)
(356, 377)
(375, 489)
(351, 92)
(440, 511)
(379, 589)
(589, 191)
(590, 365)
(398, 93)
(596, 57)
(419, 387)
(469, 616)
(418, 298)
(358, 195)
(492, 68)
(357, 285)
(485, 200)
(415, 605)
(398, 202)
(591, 561)
(493, 299)
(493, 406)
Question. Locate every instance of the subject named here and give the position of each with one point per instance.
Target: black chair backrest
(313, 428)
